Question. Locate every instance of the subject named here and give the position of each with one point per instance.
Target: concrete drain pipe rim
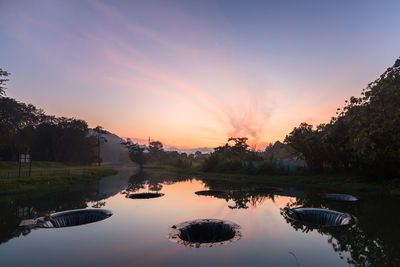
(347, 219)
(338, 197)
(43, 222)
(175, 233)
(211, 193)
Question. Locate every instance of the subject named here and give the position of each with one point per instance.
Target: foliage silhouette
(363, 138)
(3, 80)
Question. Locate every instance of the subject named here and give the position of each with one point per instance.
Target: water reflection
(99, 204)
(151, 181)
(252, 205)
(11, 215)
(15, 208)
(240, 195)
(240, 198)
(373, 241)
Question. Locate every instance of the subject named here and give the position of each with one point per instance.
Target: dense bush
(237, 158)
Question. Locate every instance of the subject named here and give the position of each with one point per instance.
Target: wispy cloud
(166, 71)
(242, 111)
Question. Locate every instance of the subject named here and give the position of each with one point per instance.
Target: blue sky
(192, 73)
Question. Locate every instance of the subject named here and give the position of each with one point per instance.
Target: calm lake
(137, 234)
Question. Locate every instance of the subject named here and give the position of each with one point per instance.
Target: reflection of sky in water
(137, 235)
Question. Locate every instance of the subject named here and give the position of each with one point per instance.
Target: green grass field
(13, 165)
(47, 176)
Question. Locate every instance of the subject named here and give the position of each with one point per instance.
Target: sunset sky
(193, 73)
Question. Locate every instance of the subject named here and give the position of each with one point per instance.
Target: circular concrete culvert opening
(319, 217)
(338, 197)
(144, 195)
(205, 233)
(212, 193)
(73, 218)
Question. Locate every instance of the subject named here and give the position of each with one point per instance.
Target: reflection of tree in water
(155, 186)
(139, 182)
(134, 187)
(242, 194)
(243, 198)
(240, 198)
(152, 181)
(98, 204)
(373, 241)
(137, 186)
(14, 209)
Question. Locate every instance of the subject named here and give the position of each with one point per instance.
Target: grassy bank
(46, 176)
(328, 183)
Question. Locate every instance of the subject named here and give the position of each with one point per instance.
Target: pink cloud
(237, 109)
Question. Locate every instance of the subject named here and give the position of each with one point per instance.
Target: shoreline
(330, 183)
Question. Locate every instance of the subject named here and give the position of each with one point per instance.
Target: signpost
(25, 158)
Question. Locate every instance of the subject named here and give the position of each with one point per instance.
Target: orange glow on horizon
(189, 88)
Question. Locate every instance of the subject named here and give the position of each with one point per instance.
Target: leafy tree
(156, 147)
(100, 140)
(308, 145)
(365, 135)
(16, 118)
(24, 128)
(240, 145)
(156, 150)
(3, 80)
(64, 140)
(375, 120)
(231, 157)
(27, 129)
(198, 154)
(136, 152)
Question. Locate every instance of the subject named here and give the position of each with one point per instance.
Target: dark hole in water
(214, 193)
(144, 195)
(321, 217)
(74, 218)
(338, 197)
(205, 233)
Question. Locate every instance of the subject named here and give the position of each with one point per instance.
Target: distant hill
(112, 151)
(204, 150)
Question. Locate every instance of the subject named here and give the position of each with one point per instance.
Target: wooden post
(19, 168)
(98, 148)
(30, 166)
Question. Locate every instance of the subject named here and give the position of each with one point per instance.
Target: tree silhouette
(3, 80)
(100, 140)
(156, 150)
(136, 152)
(364, 137)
